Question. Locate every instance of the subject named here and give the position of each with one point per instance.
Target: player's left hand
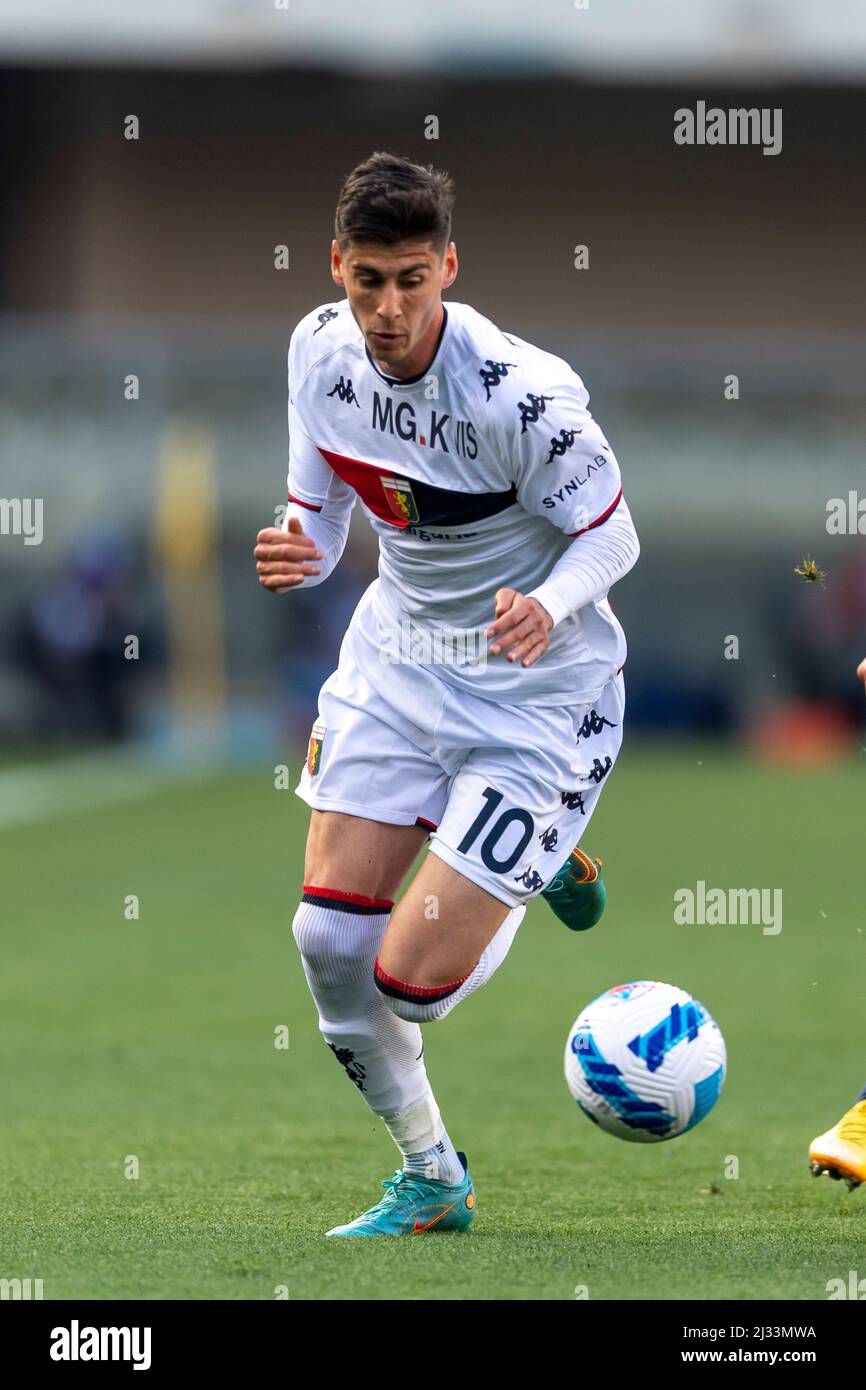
(521, 627)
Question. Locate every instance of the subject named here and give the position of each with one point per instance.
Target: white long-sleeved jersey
(486, 471)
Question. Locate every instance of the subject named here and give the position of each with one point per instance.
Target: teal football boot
(576, 892)
(412, 1204)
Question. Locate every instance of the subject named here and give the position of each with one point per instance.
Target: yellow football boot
(841, 1152)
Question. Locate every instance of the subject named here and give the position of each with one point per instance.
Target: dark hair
(389, 199)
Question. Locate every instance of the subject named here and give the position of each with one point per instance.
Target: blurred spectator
(71, 642)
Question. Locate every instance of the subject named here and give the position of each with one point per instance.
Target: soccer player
(478, 701)
(841, 1152)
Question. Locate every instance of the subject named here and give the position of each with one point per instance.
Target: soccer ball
(645, 1061)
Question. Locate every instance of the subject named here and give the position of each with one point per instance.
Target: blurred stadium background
(152, 1034)
(155, 258)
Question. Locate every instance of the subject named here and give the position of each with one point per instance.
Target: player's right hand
(284, 557)
(861, 670)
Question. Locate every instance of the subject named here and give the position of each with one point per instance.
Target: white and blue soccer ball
(645, 1061)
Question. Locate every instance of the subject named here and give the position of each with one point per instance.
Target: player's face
(395, 294)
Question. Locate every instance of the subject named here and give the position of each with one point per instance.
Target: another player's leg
(841, 1152)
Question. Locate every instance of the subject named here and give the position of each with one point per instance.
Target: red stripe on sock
(418, 991)
(336, 895)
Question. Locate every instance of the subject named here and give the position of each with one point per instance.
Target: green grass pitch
(154, 1038)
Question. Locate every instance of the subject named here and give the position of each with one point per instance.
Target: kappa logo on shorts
(593, 723)
(314, 752)
(400, 498)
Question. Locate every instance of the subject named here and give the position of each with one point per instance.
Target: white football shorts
(506, 791)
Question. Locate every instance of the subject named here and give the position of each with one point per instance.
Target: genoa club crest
(399, 496)
(314, 752)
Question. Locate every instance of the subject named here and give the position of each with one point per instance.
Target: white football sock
(423, 1141)
(338, 939)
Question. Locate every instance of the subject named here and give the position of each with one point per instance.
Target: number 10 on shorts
(490, 843)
